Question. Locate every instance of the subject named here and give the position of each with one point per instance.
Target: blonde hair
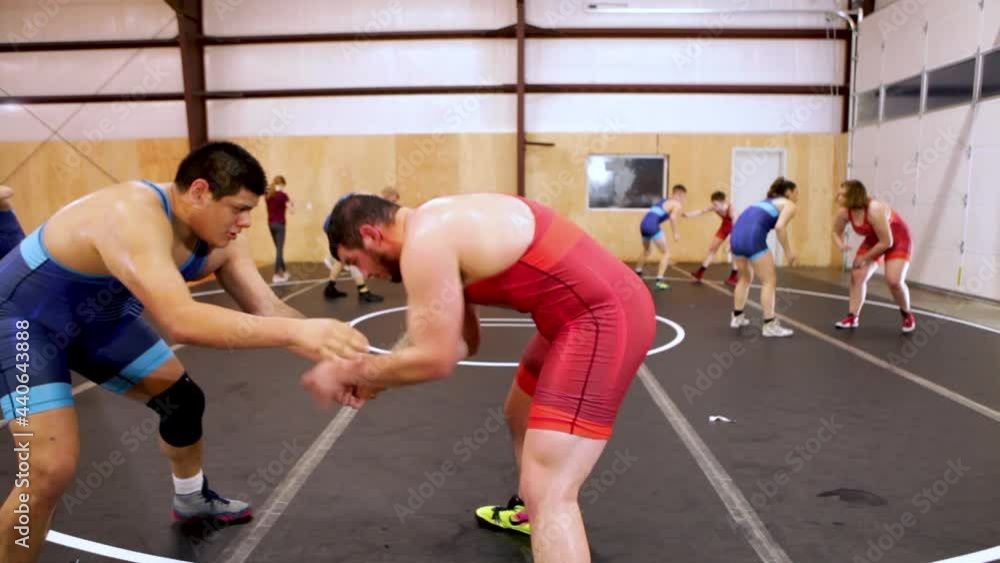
(271, 187)
(390, 194)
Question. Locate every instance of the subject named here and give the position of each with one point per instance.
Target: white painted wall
(94, 122)
(715, 61)
(112, 71)
(466, 62)
(69, 20)
(133, 72)
(263, 17)
(362, 115)
(938, 169)
(682, 113)
(364, 63)
(574, 13)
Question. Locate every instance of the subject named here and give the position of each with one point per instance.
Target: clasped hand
(340, 381)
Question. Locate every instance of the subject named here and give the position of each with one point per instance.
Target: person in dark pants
(278, 203)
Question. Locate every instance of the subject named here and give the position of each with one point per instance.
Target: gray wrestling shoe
(207, 504)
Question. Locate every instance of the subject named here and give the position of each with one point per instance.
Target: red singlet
(901, 242)
(595, 318)
(727, 223)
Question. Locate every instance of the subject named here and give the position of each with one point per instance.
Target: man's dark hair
(227, 167)
(718, 196)
(353, 211)
(679, 188)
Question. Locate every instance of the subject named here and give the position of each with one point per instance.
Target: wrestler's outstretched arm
(435, 322)
(137, 249)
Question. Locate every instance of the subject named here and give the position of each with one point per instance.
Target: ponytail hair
(780, 187)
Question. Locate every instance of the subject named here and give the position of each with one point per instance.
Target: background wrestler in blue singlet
(663, 210)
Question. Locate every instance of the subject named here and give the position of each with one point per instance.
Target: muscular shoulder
(476, 226)
(130, 200)
(111, 210)
(434, 217)
(458, 216)
(876, 207)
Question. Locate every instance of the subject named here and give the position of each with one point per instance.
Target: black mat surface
(842, 460)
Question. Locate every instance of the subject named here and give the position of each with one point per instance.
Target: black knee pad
(180, 408)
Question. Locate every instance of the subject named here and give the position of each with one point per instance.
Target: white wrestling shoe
(739, 321)
(774, 329)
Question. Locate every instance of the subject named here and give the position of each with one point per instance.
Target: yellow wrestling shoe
(510, 518)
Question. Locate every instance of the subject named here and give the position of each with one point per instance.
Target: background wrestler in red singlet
(595, 321)
(724, 210)
(887, 238)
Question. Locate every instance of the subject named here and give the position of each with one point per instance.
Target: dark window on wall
(991, 75)
(868, 107)
(952, 85)
(902, 99)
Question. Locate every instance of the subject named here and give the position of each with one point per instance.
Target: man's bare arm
(136, 247)
(241, 279)
(435, 315)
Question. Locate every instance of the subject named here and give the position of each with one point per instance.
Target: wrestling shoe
(207, 504)
(738, 321)
(369, 297)
(662, 284)
(331, 291)
(850, 321)
(909, 323)
(774, 329)
(510, 518)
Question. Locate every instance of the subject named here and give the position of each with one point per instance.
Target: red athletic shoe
(698, 274)
(909, 323)
(850, 321)
(733, 278)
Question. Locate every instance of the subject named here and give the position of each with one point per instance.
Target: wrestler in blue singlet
(749, 236)
(650, 226)
(75, 321)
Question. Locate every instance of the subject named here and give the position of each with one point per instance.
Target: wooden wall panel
(321, 169)
(703, 163)
(55, 174)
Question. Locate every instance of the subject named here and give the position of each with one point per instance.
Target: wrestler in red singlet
(901, 242)
(595, 322)
(725, 211)
(893, 249)
(595, 325)
(727, 222)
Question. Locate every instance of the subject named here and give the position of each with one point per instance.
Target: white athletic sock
(189, 485)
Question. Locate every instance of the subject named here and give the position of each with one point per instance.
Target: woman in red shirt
(887, 238)
(277, 203)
